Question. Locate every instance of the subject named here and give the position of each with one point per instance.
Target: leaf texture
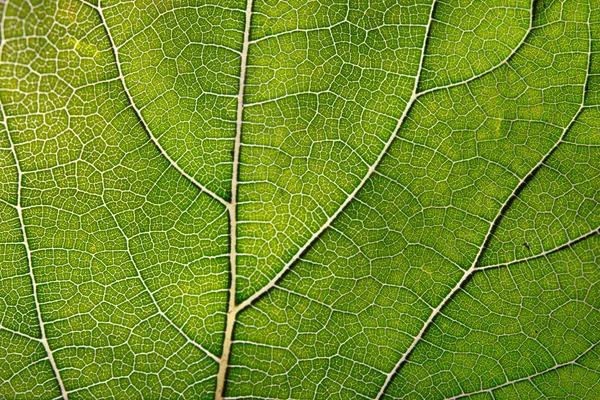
(299, 199)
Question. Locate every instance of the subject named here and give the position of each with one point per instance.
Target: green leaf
(299, 199)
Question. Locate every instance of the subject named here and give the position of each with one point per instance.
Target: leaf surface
(300, 199)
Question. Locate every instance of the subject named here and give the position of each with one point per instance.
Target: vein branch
(530, 377)
(469, 272)
(43, 339)
(495, 67)
(138, 113)
(543, 253)
(21, 334)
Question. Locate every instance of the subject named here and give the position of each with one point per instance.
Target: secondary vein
(543, 253)
(495, 67)
(43, 339)
(351, 196)
(138, 113)
(473, 268)
(528, 378)
(152, 298)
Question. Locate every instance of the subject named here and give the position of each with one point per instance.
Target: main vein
(232, 310)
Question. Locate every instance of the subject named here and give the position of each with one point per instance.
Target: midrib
(232, 208)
